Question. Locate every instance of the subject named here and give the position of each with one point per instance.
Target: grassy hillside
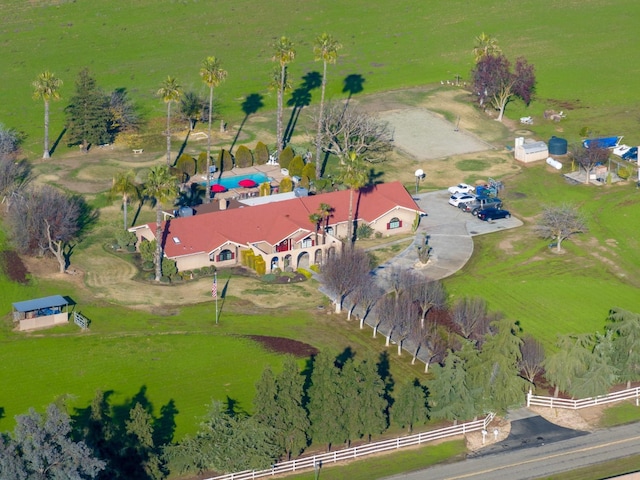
(583, 53)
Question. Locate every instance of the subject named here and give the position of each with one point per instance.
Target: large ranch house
(281, 232)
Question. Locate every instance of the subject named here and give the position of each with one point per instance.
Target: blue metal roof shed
(40, 303)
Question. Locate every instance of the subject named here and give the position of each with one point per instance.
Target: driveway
(450, 235)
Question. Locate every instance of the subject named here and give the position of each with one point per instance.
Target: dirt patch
(285, 346)
(13, 267)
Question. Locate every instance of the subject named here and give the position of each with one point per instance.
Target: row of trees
(337, 400)
(457, 338)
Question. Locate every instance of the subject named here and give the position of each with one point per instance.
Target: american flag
(214, 287)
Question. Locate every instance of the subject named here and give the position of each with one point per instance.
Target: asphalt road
(540, 459)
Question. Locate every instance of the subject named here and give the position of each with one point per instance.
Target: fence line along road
(540, 401)
(316, 461)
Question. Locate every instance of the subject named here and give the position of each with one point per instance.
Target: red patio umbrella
(247, 183)
(217, 188)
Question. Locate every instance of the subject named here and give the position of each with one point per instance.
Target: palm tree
(170, 92)
(325, 211)
(485, 46)
(213, 76)
(315, 219)
(160, 187)
(46, 87)
(354, 174)
(325, 49)
(283, 54)
(125, 184)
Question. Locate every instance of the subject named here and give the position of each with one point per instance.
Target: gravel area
(426, 136)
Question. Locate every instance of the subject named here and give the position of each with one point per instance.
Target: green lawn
(582, 54)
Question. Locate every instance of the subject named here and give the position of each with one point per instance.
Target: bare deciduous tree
(588, 158)
(345, 272)
(45, 219)
(470, 315)
(347, 130)
(560, 223)
(532, 357)
(429, 294)
(14, 176)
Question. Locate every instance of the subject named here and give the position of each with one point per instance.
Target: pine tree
(451, 398)
(88, 114)
(373, 404)
(410, 406)
(291, 422)
(325, 408)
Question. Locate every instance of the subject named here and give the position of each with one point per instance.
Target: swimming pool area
(234, 182)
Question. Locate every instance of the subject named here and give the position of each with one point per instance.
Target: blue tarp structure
(40, 303)
(602, 142)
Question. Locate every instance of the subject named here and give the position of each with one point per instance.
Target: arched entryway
(303, 260)
(317, 257)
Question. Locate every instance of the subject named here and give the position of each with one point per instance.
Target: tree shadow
(223, 295)
(342, 357)
(108, 431)
(384, 370)
(183, 146)
(191, 197)
(251, 105)
(300, 98)
(57, 141)
(353, 84)
(233, 409)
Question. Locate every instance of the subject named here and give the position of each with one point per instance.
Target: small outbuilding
(41, 312)
(528, 150)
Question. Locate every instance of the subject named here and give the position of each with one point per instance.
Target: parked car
(458, 198)
(462, 188)
(487, 214)
(481, 203)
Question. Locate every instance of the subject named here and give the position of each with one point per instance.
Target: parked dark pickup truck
(481, 203)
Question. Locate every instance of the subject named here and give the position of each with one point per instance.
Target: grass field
(583, 53)
(174, 355)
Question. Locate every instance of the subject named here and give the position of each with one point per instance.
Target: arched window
(225, 255)
(395, 222)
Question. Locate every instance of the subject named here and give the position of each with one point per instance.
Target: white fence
(317, 461)
(539, 401)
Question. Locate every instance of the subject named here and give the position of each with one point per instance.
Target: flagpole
(215, 280)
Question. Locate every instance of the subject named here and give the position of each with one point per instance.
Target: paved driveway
(450, 232)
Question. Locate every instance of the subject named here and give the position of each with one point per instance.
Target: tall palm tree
(325, 211)
(283, 54)
(354, 174)
(315, 219)
(124, 183)
(160, 187)
(325, 49)
(46, 87)
(170, 92)
(213, 76)
(485, 45)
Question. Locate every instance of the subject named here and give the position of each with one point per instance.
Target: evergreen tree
(410, 406)
(372, 401)
(264, 402)
(569, 362)
(325, 406)
(142, 453)
(88, 115)
(451, 398)
(292, 422)
(600, 373)
(625, 354)
(498, 366)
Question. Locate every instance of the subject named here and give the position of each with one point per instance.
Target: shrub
(286, 156)
(261, 153)
(624, 173)
(131, 248)
(306, 273)
(202, 162)
(244, 158)
(304, 182)
(245, 257)
(286, 185)
(260, 266)
(146, 266)
(150, 276)
(309, 171)
(225, 161)
(315, 267)
(196, 272)
(147, 250)
(169, 267)
(187, 164)
(364, 231)
(165, 279)
(265, 189)
(295, 166)
(268, 278)
(186, 274)
(323, 185)
(126, 238)
(378, 235)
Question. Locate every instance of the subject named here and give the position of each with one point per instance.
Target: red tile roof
(273, 222)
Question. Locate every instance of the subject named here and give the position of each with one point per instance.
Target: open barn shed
(41, 312)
